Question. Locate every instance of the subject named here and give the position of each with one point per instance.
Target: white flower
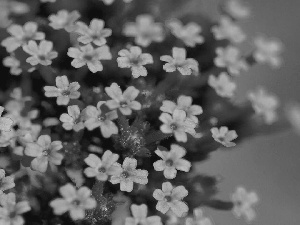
(292, 112)
(102, 168)
(186, 66)
(222, 84)
(236, 9)
(130, 175)
(224, 136)
(6, 182)
(76, 202)
(14, 64)
(21, 35)
(134, 59)
(172, 161)
(198, 218)
(109, 2)
(139, 213)
(64, 91)
(230, 58)
(227, 29)
(189, 33)
(264, 104)
(125, 101)
(183, 103)
(44, 152)
(97, 118)
(73, 119)
(95, 33)
(5, 122)
(145, 30)
(64, 20)
(40, 54)
(243, 203)
(268, 51)
(170, 198)
(89, 56)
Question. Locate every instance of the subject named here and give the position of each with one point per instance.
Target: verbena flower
(170, 198)
(72, 120)
(95, 33)
(198, 218)
(76, 202)
(237, 9)
(44, 152)
(6, 182)
(64, 20)
(14, 64)
(95, 117)
(64, 91)
(20, 35)
(124, 101)
(40, 54)
(90, 56)
(224, 136)
(134, 59)
(139, 213)
(189, 33)
(102, 168)
(243, 203)
(183, 103)
(130, 175)
(5, 122)
(172, 161)
(230, 59)
(186, 66)
(144, 30)
(222, 84)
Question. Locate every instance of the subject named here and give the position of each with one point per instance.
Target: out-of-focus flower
(222, 84)
(189, 33)
(64, 20)
(134, 59)
(227, 29)
(109, 2)
(73, 119)
(224, 136)
(139, 213)
(268, 51)
(183, 103)
(44, 152)
(230, 58)
(14, 64)
(144, 30)
(5, 122)
(186, 66)
(264, 104)
(6, 182)
(292, 112)
(40, 54)
(102, 168)
(97, 118)
(236, 9)
(125, 101)
(8, 138)
(130, 175)
(76, 202)
(21, 35)
(64, 91)
(172, 161)
(170, 198)
(87, 55)
(198, 218)
(243, 203)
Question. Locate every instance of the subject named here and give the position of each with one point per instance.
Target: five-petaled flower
(139, 213)
(14, 64)
(64, 91)
(236, 9)
(5, 122)
(6, 182)
(64, 20)
(222, 84)
(224, 136)
(72, 119)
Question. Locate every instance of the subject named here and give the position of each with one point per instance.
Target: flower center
(101, 118)
(125, 174)
(66, 92)
(46, 152)
(173, 126)
(169, 162)
(101, 170)
(123, 104)
(42, 57)
(168, 198)
(76, 202)
(88, 57)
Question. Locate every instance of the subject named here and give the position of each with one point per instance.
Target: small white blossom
(189, 33)
(102, 168)
(72, 120)
(144, 30)
(14, 64)
(76, 202)
(134, 59)
(224, 136)
(186, 66)
(170, 198)
(230, 58)
(264, 104)
(172, 161)
(198, 218)
(64, 91)
(125, 101)
(243, 203)
(64, 20)
(237, 9)
(5, 122)
(87, 55)
(222, 84)
(6, 182)
(139, 213)
(130, 175)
